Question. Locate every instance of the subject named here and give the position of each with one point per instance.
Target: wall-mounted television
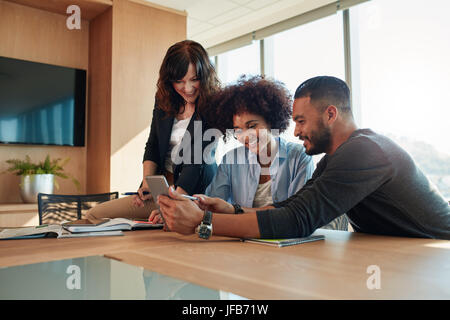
(41, 104)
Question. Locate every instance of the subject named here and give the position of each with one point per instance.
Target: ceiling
(211, 22)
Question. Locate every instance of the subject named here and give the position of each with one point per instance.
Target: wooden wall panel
(99, 115)
(89, 8)
(36, 35)
(128, 43)
(141, 36)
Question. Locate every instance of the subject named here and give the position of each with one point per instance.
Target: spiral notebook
(285, 242)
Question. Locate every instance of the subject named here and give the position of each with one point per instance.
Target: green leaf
(77, 183)
(48, 166)
(61, 175)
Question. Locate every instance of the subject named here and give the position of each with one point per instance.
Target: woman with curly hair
(186, 82)
(266, 168)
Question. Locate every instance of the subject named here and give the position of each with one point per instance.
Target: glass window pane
(234, 63)
(230, 66)
(309, 50)
(400, 56)
(306, 51)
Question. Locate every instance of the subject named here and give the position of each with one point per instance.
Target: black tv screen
(41, 103)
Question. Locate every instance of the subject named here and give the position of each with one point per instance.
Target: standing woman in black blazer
(186, 82)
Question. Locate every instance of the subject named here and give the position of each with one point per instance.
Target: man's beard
(319, 140)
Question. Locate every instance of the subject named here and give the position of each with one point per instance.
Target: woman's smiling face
(252, 131)
(189, 86)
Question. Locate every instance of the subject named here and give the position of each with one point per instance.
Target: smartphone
(158, 186)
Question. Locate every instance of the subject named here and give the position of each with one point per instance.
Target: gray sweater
(375, 182)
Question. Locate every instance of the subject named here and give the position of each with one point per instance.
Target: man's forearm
(236, 225)
(247, 210)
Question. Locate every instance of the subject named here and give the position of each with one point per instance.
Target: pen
(189, 197)
(134, 193)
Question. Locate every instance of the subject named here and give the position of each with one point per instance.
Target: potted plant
(39, 178)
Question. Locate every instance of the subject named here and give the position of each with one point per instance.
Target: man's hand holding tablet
(158, 186)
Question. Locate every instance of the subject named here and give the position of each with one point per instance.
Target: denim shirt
(237, 177)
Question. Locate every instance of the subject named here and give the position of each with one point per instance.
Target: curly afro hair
(267, 98)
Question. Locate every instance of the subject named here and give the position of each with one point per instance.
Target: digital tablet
(158, 186)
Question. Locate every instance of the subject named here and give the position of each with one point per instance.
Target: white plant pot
(31, 185)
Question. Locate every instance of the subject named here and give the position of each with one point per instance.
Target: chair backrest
(56, 208)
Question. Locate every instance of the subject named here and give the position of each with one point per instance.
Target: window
(401, 78)
(306, 51)
(400, 72)
(234, 63)
(230, 66)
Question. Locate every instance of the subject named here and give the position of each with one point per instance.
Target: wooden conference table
(335, 268)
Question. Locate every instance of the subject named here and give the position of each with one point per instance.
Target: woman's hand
(155, 217)
(213, 204)
(138, 199)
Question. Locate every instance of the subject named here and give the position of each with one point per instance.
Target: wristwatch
(204, 229)
(237, 208)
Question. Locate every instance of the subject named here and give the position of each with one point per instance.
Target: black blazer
(193, 178)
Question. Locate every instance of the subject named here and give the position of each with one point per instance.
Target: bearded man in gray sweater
(363, 174)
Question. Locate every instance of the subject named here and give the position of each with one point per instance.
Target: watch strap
(237, 208)
(207, 217)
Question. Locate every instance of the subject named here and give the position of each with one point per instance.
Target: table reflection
(97, 277)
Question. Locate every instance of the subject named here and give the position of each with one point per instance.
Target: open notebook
(49, 231)
(85, 225)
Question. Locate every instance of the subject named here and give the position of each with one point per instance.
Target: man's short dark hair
(324, 91)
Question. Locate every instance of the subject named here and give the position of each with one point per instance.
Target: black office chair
(56, 208)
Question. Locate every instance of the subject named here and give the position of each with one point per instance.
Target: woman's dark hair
(175, 66)
(267, 98)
